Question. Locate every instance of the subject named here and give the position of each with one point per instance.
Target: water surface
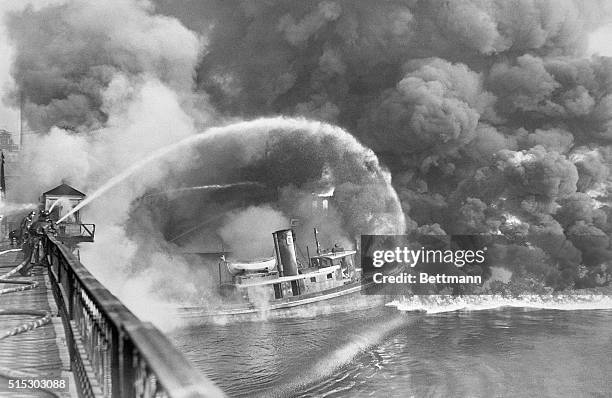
(504, 352)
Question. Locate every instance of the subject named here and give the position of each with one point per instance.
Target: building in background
(6, 142)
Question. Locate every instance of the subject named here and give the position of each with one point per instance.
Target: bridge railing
(113, 353)
(76, 232)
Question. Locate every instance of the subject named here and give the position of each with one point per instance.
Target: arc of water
(207, 187)
(53, 205)
(259, 124)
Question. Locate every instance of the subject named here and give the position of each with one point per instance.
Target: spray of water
(7, 208)
(358, 343)
(445, 303)
(53, 205)
(244, 127)
(9, 251)
(206, 188)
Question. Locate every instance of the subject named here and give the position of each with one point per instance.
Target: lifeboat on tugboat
(262, 265)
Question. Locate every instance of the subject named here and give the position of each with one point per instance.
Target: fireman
(25, 225)
(14, 237)
(26, 246)
(33, 246)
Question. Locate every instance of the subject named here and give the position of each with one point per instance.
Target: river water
(384, 352)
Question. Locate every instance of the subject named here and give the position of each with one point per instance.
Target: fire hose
(44, 317)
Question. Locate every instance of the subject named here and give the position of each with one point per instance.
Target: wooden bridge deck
(40, 351)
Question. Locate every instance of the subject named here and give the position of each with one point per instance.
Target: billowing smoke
(69, 54)
(488, 114)
(243, 239)
(102, 86)
(291, 164)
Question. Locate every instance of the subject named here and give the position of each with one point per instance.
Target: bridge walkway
(41, 351)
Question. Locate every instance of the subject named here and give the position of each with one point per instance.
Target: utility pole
(20, 120)
(2, 178)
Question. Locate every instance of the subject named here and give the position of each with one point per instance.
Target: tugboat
(281, 283)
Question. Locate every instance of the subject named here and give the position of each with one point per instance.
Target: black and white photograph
(306, 198)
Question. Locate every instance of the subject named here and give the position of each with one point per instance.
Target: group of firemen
(30, 235)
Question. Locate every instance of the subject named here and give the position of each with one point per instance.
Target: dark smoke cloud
(328, 58)
(435, 109)
(292, 165)
(592, 168)
(67, 55)
(545, 174)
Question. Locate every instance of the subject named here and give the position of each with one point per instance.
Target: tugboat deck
(322, 271)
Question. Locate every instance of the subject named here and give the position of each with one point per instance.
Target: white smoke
(7, 208)
(143, 91)
(248, 232)
(599, 41)
(143, 117)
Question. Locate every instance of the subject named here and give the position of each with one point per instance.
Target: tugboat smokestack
(284, 248)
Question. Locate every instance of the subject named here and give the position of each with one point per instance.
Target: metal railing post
(115, 364)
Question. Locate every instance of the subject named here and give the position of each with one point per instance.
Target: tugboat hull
(340, 299)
